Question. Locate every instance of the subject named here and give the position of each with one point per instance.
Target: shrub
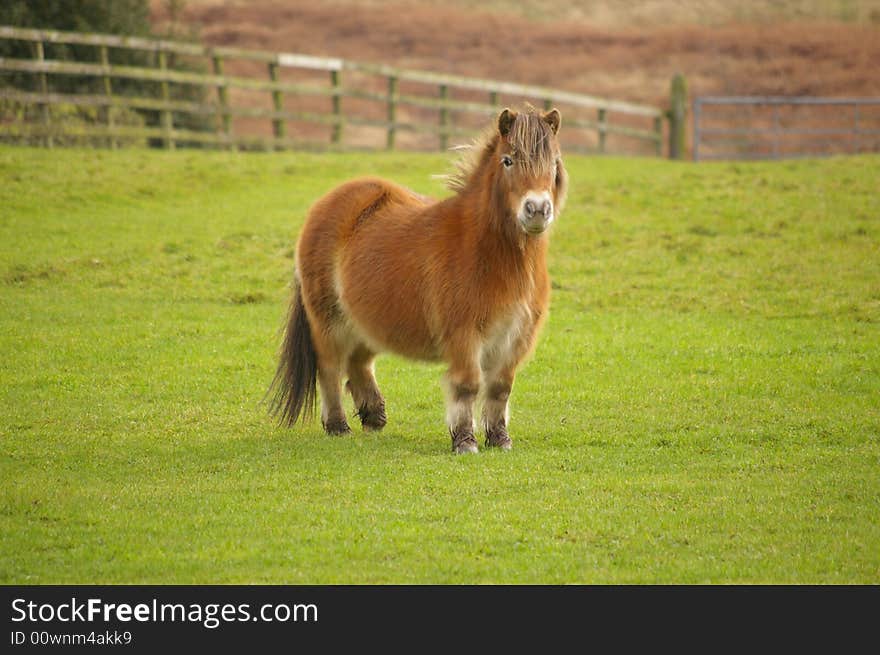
(68, 124)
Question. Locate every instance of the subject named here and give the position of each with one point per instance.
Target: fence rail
(436, 93)
(774, 127)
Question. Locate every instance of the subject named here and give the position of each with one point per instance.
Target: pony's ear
(505, 121)
(553, 118)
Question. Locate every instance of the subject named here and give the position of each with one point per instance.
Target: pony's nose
(533, 208)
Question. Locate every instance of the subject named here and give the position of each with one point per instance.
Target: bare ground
(621, 50)
(592, 54)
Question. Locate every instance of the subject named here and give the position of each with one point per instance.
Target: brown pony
(463, 280)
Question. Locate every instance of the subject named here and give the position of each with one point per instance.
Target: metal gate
(773, 127)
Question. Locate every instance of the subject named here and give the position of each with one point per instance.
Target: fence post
(677, 115)
(658, 136)
(278, 127)
(392, 111)
(444, 118)
(44, 89)
(603, 129)
(223, 97)
(336, 136)
(165, 115)
(108, 91)
(698, 107)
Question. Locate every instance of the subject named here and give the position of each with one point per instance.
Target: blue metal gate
(773, 127)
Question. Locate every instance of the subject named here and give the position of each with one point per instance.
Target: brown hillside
(817, 57)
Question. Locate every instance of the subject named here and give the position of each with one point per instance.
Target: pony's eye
(507, 160)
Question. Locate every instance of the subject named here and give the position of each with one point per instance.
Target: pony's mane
(530, 138)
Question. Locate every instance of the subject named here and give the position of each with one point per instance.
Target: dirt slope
(825, 57)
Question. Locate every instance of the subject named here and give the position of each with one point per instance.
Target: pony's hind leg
(330, 358)
(364, 390)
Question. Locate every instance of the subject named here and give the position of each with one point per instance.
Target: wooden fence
(439, 106)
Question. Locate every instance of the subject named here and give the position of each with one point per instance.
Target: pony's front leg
(495, 410)
(462, 387)
(364, 391)
(499, 372)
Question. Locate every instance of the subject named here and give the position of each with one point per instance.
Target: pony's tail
(293, 390)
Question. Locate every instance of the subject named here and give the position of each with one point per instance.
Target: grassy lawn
(704, 404)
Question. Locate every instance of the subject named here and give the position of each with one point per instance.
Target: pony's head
(530, 181)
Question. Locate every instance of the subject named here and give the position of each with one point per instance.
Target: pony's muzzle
(535, 212)
(543, 209)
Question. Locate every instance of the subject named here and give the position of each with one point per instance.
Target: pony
(461, 280)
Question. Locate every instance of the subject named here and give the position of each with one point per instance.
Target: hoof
(464, 443)
(373, 419)
(499, 439)
(337, 427)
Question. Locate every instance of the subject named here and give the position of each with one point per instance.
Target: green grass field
(703, 406)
